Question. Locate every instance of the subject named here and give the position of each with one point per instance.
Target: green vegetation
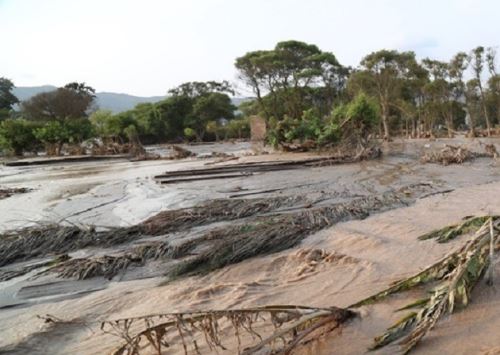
(305, 95)
(7, 99)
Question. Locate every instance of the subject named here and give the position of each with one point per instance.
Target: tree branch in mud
(289, 327)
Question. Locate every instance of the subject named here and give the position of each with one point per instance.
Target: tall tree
(195, 89)
(440, 91)
(7, 98)
(493, 82)
(458, 65)
(476, 61)
(383, 75)
(289, 77)
(72, 101)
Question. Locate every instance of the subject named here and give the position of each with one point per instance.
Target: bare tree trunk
(449, 126)
(485, 110)
(385, 124)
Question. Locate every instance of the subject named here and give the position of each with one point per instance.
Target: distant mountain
(122, 102)
(105, 100)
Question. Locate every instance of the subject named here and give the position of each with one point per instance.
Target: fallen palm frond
(448, 155)
(202, 332)
(459, 272)
(448, 233)
(232, 243)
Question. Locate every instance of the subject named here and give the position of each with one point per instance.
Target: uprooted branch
(289, 327)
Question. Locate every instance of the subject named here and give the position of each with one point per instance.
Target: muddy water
(375, 251)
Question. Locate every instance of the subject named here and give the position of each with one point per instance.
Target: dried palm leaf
(460, 272)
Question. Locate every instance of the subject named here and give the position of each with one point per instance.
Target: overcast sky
(145, 47)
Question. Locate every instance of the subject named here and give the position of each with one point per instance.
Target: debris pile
(448, 155)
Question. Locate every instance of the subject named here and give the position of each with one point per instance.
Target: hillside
(115, 102)
(105, 100)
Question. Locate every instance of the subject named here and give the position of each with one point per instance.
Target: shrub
(16, 136)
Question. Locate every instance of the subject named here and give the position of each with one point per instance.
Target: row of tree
(299, 89)
(414, 98)
(68, 115)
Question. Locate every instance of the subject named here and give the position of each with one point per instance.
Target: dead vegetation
(274, 233)
(214, 211)
(448, 155)
(8, 192)
(181, 153)
(48, 239)
(109, 266)
(281, 329)
(269, 229)
(457, 155)
(264, 330)
(232, 243)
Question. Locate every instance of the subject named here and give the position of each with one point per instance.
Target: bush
(354, 122)
(238, 128)
(189, 133)
(17, 136)
(53, 134)
(79, 130)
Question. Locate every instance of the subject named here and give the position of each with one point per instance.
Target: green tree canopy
(286, 74)
(7, 98)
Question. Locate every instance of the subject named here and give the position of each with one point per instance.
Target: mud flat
(318, 236)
